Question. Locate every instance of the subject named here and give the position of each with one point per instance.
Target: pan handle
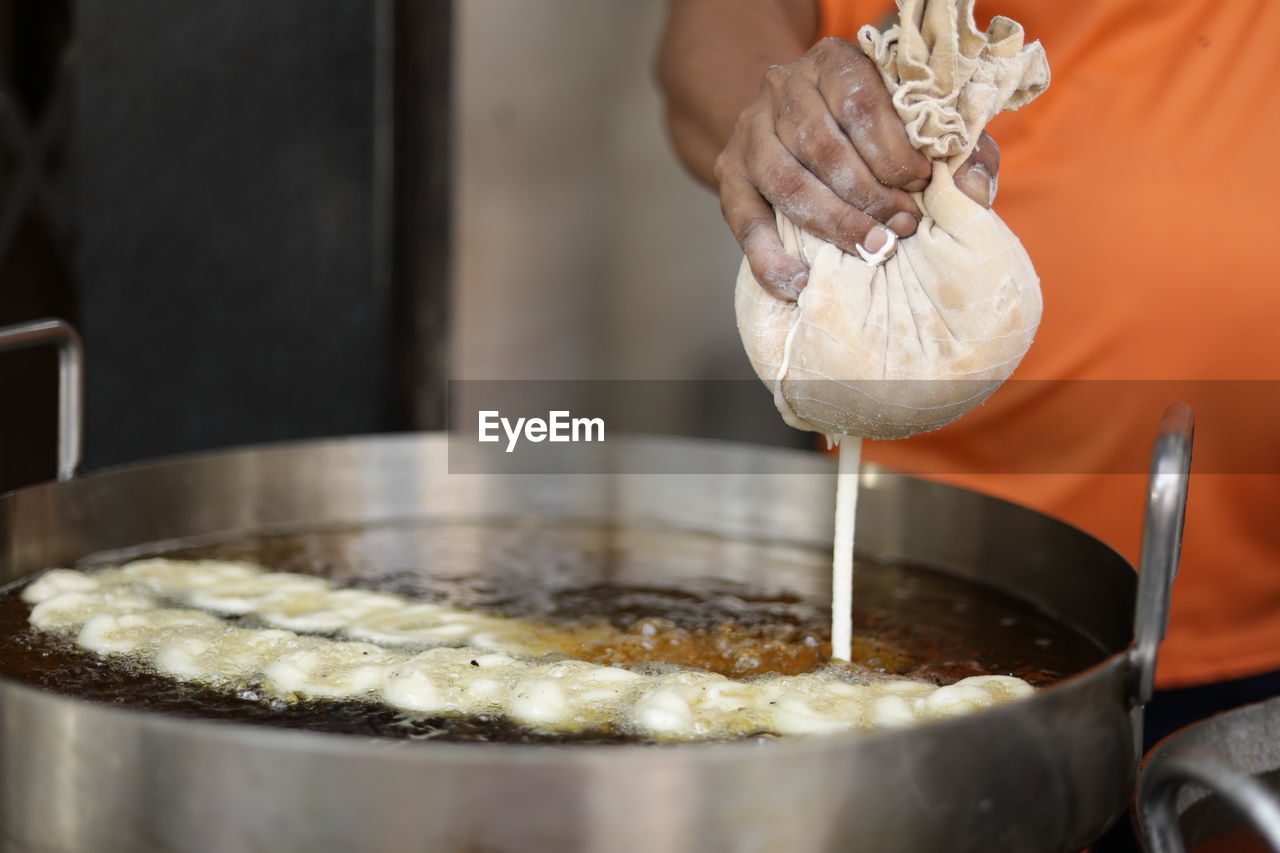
(1161, 544)
(70, 381)
(1163, 778)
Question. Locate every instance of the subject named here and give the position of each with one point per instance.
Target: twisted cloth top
(948, 79)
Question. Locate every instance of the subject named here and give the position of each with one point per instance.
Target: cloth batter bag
(910, 339)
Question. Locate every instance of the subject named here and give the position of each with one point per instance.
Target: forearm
(713, 55)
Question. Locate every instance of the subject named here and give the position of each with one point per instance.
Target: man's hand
(823, 144)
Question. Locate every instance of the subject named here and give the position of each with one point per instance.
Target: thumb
(979, 176)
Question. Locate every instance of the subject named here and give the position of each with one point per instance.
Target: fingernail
(978, 185)
(902, 223)
(917, 185)
(798, 283)
(789, 290)
(875, 239)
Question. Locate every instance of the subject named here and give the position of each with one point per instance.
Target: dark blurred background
(298, 218)
(205, 190)
(35, 263)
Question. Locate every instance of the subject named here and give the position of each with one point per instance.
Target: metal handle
(1161, 543)
(1164, 777)
(70, 381)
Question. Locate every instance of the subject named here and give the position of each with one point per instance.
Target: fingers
(979, 176)
(823, 144)
(855, 94)
(813, 138)
(802, 162)
(806, 200)
(755, 228)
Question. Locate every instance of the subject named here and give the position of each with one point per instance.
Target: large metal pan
(1047, 773)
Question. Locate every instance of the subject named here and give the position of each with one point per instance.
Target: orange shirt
(1144, 185)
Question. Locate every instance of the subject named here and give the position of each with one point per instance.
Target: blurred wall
(233, 269)
(582, 248)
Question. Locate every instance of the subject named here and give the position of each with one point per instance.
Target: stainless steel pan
(1048, 773)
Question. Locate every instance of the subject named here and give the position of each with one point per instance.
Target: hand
(823, 143)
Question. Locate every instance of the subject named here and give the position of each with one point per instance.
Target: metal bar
(70, 381)
(1161, 543)
(1165, 776)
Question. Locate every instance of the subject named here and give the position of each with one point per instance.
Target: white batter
(129, 612)
(846, 483)
(842, 549)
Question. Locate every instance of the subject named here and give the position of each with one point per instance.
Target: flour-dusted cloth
(886, 347)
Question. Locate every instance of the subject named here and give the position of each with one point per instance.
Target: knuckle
(820, 146)
(899, 173)
(881, 200)
(825, 47)
(776, 76)
(895, 173)
(735, 198)
(836, 48)
(857, 67)
(850, 223)
(751, 116)
(720, 171)
(861, 191)
(748, 231)
(859, 104)
(859, 63)
(782, 183)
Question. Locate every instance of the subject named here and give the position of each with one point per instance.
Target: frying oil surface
(586, 588)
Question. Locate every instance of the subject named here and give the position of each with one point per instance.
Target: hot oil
(620, 597)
